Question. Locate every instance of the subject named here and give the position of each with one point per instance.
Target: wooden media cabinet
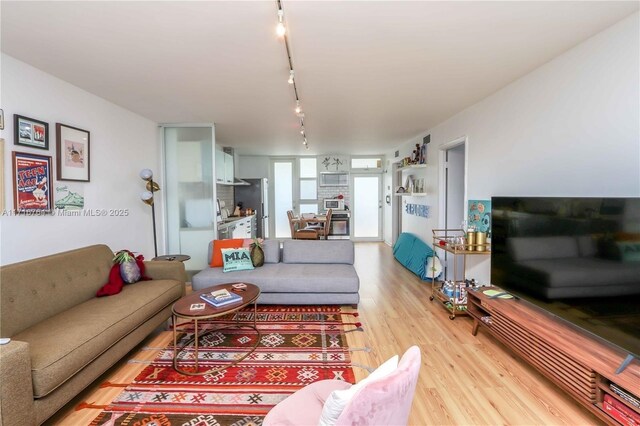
(582, 365)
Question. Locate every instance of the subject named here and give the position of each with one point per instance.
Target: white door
(455, 209)
(189, 192)
(366, 207)
(282, 190)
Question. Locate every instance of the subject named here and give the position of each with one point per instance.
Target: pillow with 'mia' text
(218, 245)
(236, 259)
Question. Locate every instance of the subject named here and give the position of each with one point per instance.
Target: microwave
(333, 203)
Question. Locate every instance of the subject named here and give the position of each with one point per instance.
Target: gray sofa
(299, 273)
(62, 336)
(569, 266)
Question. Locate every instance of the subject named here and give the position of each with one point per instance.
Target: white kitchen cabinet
(228, 168)
(220, 166)
(242, 228)
(224, 167)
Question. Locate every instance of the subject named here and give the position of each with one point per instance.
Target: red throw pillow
(218, 245)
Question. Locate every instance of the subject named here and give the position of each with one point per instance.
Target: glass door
(366, 219)
(190, 192)
(282, 194)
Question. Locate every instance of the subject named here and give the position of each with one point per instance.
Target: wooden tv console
(582, 365)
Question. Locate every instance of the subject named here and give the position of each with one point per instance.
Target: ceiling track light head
(280, 28)
(291, 74)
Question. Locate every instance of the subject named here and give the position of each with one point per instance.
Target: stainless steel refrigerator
(255, 196)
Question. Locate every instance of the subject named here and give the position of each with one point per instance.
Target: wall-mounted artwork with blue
(479, 216)
(417, 209)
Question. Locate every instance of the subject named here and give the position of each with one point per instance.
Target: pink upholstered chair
(385, 401)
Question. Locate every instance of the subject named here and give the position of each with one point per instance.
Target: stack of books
(220, 298)
(619, 411)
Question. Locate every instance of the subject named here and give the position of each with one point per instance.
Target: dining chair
(322, 227)
(300, 234)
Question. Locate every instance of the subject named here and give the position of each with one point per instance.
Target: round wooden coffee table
(182, 309)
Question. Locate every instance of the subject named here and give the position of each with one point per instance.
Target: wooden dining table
(304, 221)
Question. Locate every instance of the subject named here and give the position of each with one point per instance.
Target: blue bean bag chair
(413, 254)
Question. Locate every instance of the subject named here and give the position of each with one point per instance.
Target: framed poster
(479, 215)
(72, 153)
(31, 183)
(30, 132)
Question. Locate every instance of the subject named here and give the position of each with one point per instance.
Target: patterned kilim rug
(299, 345)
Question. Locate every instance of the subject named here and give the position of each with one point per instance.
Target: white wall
(569, 128)
(122, 143)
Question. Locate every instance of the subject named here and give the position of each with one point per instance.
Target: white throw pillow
(338, 399)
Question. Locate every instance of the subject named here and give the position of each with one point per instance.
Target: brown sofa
(62, 336)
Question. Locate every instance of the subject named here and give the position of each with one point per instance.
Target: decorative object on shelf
(471, 239)
(408, 183)
(30, 132)
(147, 197)
(31, 178)
(417, 209)
(479, 215)
(481, 239)
(1, 119)
(72, 153)
(416, 154)
(69, 196)
(423, 150)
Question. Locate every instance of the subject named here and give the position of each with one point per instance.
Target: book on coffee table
(220, 298)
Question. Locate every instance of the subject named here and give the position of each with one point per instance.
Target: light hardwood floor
(464, 380)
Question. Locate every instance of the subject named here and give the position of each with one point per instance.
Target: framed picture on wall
(30, 132)
(72, 153)
(31, 183)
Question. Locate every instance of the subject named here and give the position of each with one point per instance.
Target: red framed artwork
(31, 183)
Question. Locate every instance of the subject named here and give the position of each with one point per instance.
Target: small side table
(173, 257)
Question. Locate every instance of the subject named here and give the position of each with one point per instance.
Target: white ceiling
(371, 74)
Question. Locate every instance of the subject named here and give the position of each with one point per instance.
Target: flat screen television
(577, 258)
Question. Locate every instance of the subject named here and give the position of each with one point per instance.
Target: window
(308, 185)
(366, 163)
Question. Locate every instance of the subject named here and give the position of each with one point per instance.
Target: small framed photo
(31, 183)
(30, 132)
(72, 153)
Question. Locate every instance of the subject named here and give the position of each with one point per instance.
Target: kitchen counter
(232, 219)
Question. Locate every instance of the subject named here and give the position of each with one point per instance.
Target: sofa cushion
(271, 249)
(318, 251)
(37, 289)
(65, 343)
(287, 278)
(529, 248)
(216, 256)
(236, 259)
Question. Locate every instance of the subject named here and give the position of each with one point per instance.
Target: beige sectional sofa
(62, 336)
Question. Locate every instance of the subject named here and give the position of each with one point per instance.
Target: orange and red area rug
(299, 345)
